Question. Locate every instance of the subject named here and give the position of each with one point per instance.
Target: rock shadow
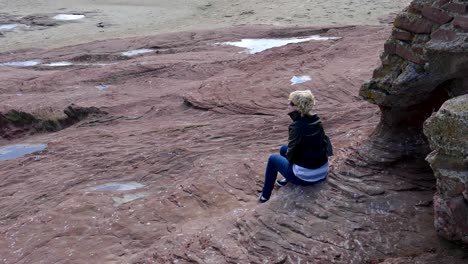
(15, 124)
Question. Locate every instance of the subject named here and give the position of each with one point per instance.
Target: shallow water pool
(8, 26)
(20, 150)
(258, 45)
(21, 63)
(131, 53)
(59, 64)
(67, 17)
(101, 87)
(125, 186)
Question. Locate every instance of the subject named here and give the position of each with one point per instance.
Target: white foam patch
(300, 79)
(258, 45)
(8, 26)
(131, 53)
(67, 17)
(59, 64)
(21, 63)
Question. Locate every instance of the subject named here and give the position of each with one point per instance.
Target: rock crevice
(14, 124)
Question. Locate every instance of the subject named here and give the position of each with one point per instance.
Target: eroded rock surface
(447, 131)
(194, 123)
(424, 63)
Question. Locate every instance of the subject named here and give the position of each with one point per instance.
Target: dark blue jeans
(279, 163)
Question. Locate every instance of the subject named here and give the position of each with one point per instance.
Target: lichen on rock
(447, 131)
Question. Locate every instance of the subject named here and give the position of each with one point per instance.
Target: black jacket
(307, 146)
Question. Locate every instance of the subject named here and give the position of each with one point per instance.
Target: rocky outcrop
(78, 113)
(447, 131)
(424, 63)
(202, 166)
(15, 123)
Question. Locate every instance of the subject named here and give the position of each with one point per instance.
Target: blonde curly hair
(303, 100)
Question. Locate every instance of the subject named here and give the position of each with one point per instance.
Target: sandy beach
(106, 19)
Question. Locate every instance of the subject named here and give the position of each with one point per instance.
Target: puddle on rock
(20, 150)
(67, 17)
(300, 79)
(101, 87)
(8, 26)
(127, 186)
(258, 45)
(128, 198)
(21, 63)
(59, 64)
(131, 53)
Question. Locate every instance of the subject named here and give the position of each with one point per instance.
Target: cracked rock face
(424, 63)
(447, 131)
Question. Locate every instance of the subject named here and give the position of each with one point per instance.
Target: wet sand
(106, 19)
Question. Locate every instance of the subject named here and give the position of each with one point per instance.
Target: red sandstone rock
(201, 190)
(390, 47)
(401, 91)
(418, 50)
(441, 3)
(408, 54)
(443, 35)
(415, 7)
(461, 23)
(3, 121)
(437, 15)
(409, 92)
(457, 8)
(401, 34)
(447, 133)
(451, 216)
(413, 23)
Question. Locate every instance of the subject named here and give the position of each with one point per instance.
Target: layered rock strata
(447, 131)
(14, 124)
(202, 163)
(424, 63)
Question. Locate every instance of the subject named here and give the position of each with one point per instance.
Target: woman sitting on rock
(304, 160)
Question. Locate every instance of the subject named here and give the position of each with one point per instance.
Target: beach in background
(106, 19)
